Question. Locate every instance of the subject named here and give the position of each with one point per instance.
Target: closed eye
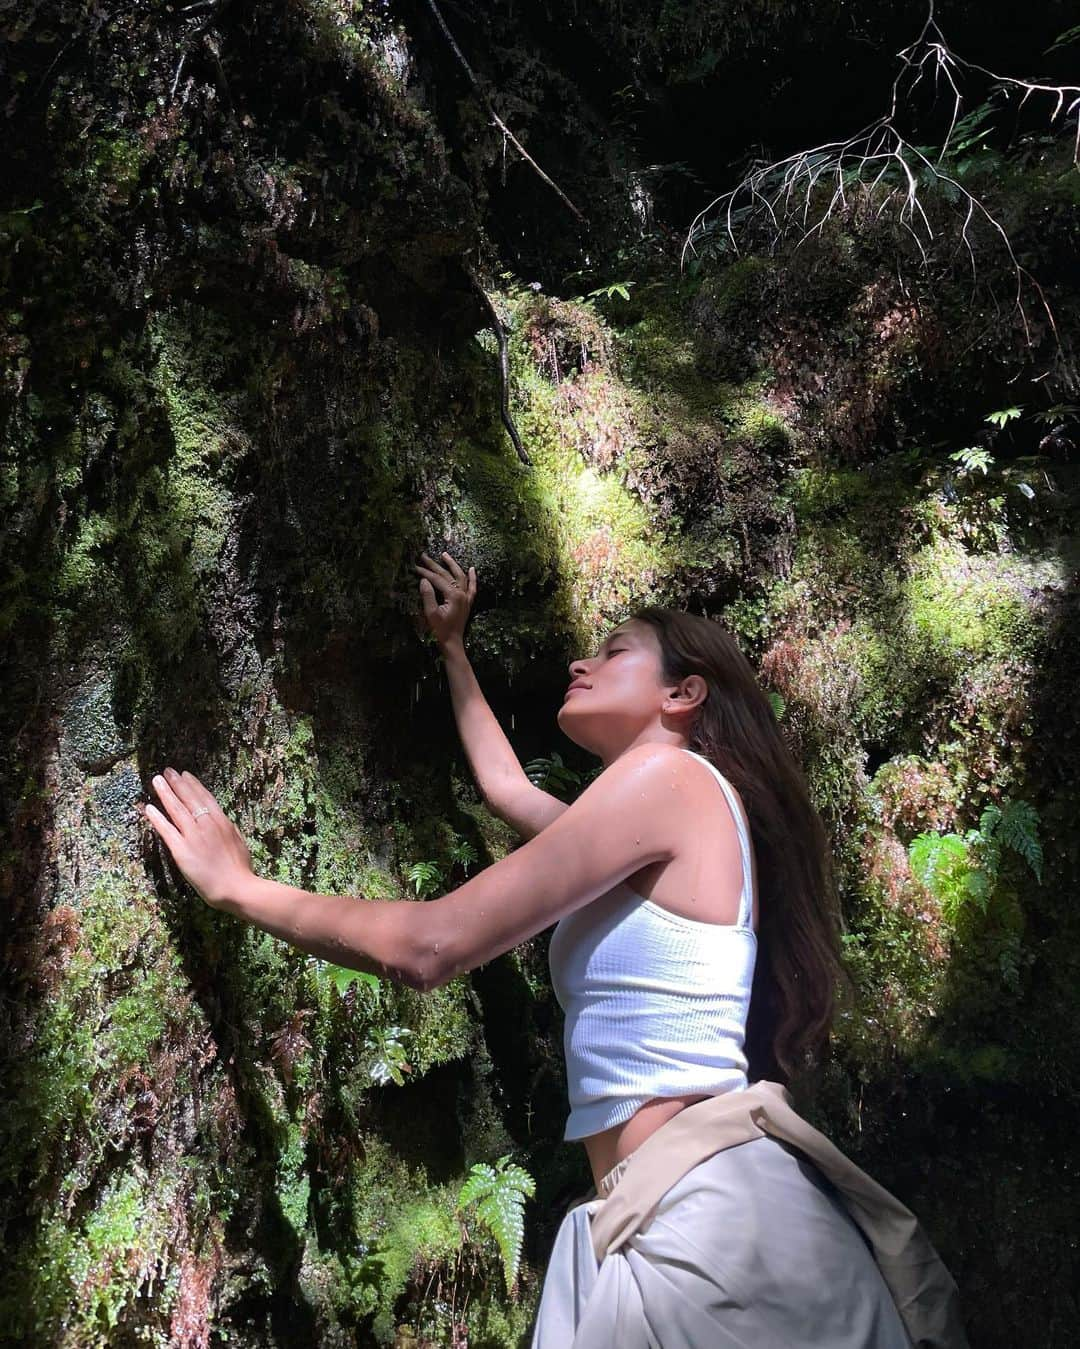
(615, 651)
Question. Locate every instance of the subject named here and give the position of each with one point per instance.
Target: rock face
(246, 379)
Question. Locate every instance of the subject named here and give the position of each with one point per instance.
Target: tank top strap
(746, 898)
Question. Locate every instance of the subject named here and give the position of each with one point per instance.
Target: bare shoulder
(653, 784)
(657, 765)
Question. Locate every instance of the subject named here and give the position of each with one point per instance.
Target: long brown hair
(799, 973)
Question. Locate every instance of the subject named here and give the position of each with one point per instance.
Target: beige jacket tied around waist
(922, 1288)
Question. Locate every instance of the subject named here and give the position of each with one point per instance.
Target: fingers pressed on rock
(163, 827)
(201, 795)
(181, 787)
(177, 812)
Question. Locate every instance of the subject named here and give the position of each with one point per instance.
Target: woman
(714, 1222)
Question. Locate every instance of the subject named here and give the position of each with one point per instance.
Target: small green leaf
(343, 978)
(1005, 415)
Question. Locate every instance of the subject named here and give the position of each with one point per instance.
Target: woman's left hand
(204, 843)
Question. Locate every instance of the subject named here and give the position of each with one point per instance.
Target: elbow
(425, 977)
(426, 969)
(421, 981)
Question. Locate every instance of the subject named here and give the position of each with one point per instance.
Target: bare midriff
(609, 1148)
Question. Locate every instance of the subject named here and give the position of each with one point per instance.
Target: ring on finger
(202, 810)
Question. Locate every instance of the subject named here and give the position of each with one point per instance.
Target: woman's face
(623, 696)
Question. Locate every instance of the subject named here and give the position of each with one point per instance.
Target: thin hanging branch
(508, 135)
(499, 329)
(782, 192)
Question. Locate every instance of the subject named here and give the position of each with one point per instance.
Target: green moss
(442, 1024)
(971, 605)
(820, 491)
(734, 290)
(137, 1022)
(89, 1275)
(293, 1180)
(423, 1234)
(113, 163)
(121, 992)
(604, 538)
(206, 434)
(743, 408)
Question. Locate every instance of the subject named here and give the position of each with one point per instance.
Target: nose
(578, 669)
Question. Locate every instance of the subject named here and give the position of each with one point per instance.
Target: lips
(574, 689)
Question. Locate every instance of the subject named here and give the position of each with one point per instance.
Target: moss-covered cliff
(246, 379)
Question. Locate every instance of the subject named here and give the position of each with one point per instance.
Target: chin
(566, 725)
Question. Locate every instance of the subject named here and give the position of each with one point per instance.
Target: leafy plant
(462, 852)
(1069, 36)
(426, 878)
(343, 978)
(777, 703)
(619, 288)
(1056, 415)
(963, 868)
(943, 864)
(973, 459)
(499, 1193)
(1016, 826)
(553, 775)
(999, 419)
(389, 1062)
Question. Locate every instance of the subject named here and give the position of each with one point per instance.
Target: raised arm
(499, 776)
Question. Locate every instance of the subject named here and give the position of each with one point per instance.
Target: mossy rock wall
(247, 379)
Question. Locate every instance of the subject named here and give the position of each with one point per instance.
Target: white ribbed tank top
(655, 1004)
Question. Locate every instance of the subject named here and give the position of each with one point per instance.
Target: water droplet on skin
(436, 948)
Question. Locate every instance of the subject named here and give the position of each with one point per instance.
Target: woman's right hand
(446, 620)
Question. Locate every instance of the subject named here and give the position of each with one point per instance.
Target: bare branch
(880, 148)
(507, 133)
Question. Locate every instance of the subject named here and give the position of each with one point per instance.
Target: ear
(688, 695)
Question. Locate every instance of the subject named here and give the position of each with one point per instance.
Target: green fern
(462, 851)
(426, 877)
(1018, 829)
(941, 862)
(499, 1193)
(620, 288)
(972, 459)
(964, 868)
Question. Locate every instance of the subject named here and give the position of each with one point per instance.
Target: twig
(508, 135)
(504, 367)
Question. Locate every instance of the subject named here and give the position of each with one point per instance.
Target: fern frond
(425, 877)
(480, 1180)
(499, 1193)
(943, 864)
(1019, 830)
(991, 818)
